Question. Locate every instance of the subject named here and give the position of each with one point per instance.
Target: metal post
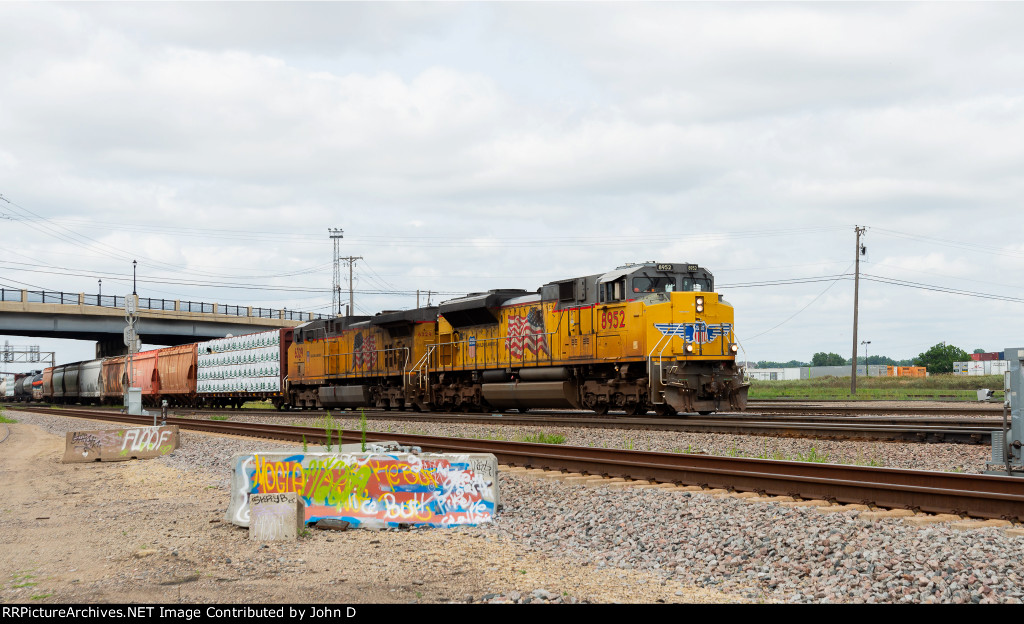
(134, 263)
(856, 292)
(336, 235)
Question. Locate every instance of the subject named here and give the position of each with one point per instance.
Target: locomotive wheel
(636, 409)
(600, 409)
(705, 413)
(667, 410)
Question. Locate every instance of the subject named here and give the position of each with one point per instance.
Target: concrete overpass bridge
(78, 316)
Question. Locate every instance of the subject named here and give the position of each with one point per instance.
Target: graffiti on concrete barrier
(373, 489)
(120, 444)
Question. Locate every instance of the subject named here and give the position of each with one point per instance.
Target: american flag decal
(526, 333)
(365, 351)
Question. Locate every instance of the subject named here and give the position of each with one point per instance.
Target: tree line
(938, 359)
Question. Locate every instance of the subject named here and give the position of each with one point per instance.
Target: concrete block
(1015, 532)
(690, 488)
(371, 490)
(120, 444)
(970, 525)
(276, 517)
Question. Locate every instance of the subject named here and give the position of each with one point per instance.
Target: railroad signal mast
(132, 395)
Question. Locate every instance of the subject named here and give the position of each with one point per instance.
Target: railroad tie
(932, 519)
(843, 508)
(885, 513)
(979, 524)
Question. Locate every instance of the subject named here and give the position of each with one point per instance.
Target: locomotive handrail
(421, 365)
(498, 361)
(386, 369)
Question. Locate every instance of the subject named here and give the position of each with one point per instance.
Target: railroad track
(983, 496)
(946, 430)
(929, 429)
(970, 409)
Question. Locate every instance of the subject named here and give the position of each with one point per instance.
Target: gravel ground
(968, 458)
(672, 544)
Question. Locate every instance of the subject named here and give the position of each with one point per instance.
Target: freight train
(642, 337)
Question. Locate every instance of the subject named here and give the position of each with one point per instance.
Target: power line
(942, 289)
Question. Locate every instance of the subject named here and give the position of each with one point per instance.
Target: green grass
(944, 387)
(4, 419)
(219, 417)
(542, 438)
(258, 405)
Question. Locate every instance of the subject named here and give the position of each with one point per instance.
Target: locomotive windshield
(646, 284)
(653, 284)
(696, 284)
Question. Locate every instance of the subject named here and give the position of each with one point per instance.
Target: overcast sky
(464, 147)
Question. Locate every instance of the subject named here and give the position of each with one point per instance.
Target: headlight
(700, 304)
(689, 348)
(734, 347)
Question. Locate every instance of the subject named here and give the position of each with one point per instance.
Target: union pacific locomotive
(639, 338)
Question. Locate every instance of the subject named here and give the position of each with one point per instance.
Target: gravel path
(659, 540)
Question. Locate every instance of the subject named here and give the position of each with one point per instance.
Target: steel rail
(923, 430)
(984, 496)
(990, 409)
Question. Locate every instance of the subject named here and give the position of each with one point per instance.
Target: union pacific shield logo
(700, 332)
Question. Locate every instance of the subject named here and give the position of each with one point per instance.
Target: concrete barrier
(371, 489)
(276, 517)
(120, 444)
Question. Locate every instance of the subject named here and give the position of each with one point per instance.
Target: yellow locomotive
(642, 337)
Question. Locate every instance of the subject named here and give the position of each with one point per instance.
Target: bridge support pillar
(111, 347)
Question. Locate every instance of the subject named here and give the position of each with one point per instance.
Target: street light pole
(133, 277)
(865, 343)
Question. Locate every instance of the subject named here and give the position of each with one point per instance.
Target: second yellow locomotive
(641, 337)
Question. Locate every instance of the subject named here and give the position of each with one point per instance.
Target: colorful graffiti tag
(120, 444)
(372, 490)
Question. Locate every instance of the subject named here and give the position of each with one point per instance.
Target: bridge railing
(150, 303)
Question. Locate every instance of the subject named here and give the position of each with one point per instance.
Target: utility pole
(856, 292)
(351, 263)
(336, 236)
